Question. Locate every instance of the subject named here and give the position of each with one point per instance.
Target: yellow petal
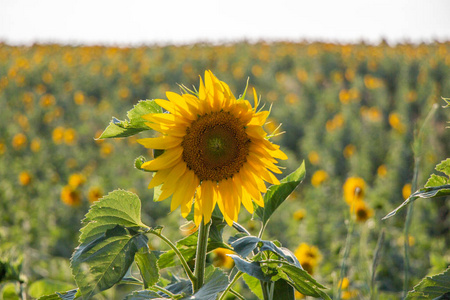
(256, 132)
(262, 171)
(255, 97)
(158, 178)
(259, 119)
(184, 191)
(162, 142)
(208, 199)
(179, 131)
(166, 160)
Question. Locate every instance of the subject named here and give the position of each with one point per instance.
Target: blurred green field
(347, 110)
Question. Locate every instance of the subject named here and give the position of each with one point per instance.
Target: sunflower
(215, 151)
(354, 189)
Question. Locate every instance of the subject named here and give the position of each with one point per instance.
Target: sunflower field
(366, 120)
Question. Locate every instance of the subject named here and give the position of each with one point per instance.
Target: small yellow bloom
(78, 98)
(2, 148)
(406, 191)
(344, 283)
(354, 189)
(319, 177)
(299, 214)
(344, 96)
(94, 194)
(221, 259)
(35, 145)
(76, 180)
(19, 141)
(58, 135)
(382, 171)
(349, 294)
(362, 212)
(70, 196)
(349, 150)
(313, 157)
(396, 123)
(308, 256)
(106, 149)
(411, 240)
(47, 100)
(70, 136)
(24, 178)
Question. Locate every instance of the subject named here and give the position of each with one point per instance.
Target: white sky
(183, 21)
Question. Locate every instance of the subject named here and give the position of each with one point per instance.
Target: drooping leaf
(69, 295)
(144, 295)
(245, 245)
(9, 292)
(135, 122)
(254, 285)
(251, 268)
(432, 287)
(44, 287)
(98, 264)
(276, 194)
(178, 286)
(302, 281)
(148, 267)
(281, 251)
(117, 208)
(428, 192)
(215, 282)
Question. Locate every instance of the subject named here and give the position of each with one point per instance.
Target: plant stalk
(230, 285)
(200, 257)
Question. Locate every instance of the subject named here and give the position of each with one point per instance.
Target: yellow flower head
(354, 189)
(215, 151)
(396, 123)
(349, 150)
(58, 135)
(308, 257)
(382, 171)
(24, 178)
(70, 136)
(319, 177)
(19, 141)
(299, 214)
(94, 194)
(76, 180)
(70, 196)
(362, 212)
(406, 190)
(221, 259)
(313, 157)
(344, 283)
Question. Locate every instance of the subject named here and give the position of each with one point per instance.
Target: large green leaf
(144, 295)
(48, 286)
(428, 192)
(432, 287)
(254, 285)
(283, 290)
(98, 264)
(301, 281)
(276, 194)
(135, 122)
(117, 208)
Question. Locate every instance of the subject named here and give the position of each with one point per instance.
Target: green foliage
(276, 194)
(135, 122)
(47, 286)
(432, 287)
(436, 186)
(117, 208)
(98, 264)
(148, 267)
(215, 282)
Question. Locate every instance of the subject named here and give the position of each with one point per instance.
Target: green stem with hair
(200, 257)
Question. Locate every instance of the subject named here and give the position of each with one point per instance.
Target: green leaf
(9, 292)
(144, 295)
(428, 192)
(254, 285)
(245, 245)
(215, 282)
(444, 167)
(117, 208)
(251, 268)
(436, 180)
(47, 286)
(431, 287)
(283, 290)
(100, 263)
(69, 295)
(135, 124)
(276, 194)
(302, 281)
(148, 267)
(138, 162)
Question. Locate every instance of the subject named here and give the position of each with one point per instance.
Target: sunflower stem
(200, 257)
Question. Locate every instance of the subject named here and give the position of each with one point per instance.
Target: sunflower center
(215, 146)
